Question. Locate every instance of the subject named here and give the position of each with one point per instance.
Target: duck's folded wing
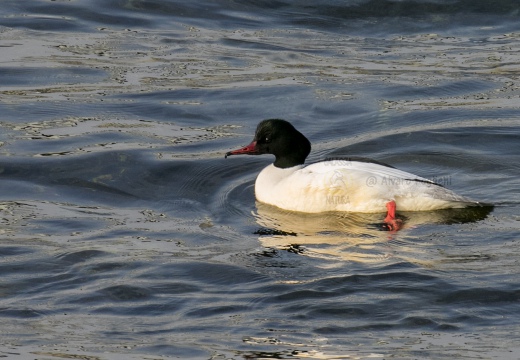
(368, 186)
(379, 170)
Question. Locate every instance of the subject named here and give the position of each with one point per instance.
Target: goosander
(351, 185)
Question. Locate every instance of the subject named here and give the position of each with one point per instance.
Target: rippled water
(126, 234)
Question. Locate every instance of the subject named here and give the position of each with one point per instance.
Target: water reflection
(348, 236)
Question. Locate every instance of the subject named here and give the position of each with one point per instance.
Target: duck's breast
(317, 189)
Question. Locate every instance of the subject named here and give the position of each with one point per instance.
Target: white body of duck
(343, 185)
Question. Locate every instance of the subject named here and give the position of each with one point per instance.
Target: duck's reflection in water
(352, 236)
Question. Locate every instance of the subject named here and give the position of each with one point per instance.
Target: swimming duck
(350, 184)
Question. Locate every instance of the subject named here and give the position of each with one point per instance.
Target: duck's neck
(284, 162)
(295, 154)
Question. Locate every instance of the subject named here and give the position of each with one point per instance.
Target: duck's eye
(267, 139)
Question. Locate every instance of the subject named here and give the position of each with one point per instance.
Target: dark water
(126, 234)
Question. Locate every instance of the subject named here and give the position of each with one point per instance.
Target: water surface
(126, 234)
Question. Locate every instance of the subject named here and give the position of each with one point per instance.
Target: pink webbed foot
(391, 221)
